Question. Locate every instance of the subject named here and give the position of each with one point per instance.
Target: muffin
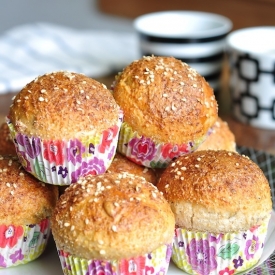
(122, 164)
(114, 223)
(25, 208)
(6, 144)
(221, 138)
(65, 125)
(168, 108)
(222, 206)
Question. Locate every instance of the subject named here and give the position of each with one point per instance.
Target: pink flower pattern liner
(147, 152)
(203, 253)
(62, 162)
(21, 244)
(155, 263)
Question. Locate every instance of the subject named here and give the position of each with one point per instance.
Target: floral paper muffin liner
(155, 263)
(22, 244)
(202, 253)
(62, 162)
(147, 152)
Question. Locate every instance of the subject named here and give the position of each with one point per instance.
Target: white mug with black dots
(197, 38)
(251, 54)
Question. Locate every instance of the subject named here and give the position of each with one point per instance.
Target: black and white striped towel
(34, 49)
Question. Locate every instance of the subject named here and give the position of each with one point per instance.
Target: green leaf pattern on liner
(34, 239)
(40, 170)
(228, 251)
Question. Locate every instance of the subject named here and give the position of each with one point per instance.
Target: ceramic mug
(251, 54)
(197, 38)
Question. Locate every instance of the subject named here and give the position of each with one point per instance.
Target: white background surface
(76, 36)
(82, 14)
(48, 263)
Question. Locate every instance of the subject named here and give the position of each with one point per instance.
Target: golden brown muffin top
(122, 164)
(112, 216)
(165, 99)
(216, 190)
(61, 105)
(24, 200)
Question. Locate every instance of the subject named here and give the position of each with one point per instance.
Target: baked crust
(221, 138)
(24, 200)
(165, 99)
(216, 191)
(6, 144)
(112, 216)
(61, 105)
(122, 164)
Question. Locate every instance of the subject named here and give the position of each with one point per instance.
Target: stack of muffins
(147, 159)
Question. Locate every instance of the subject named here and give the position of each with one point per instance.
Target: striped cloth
(34, 49)
(267, 163)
